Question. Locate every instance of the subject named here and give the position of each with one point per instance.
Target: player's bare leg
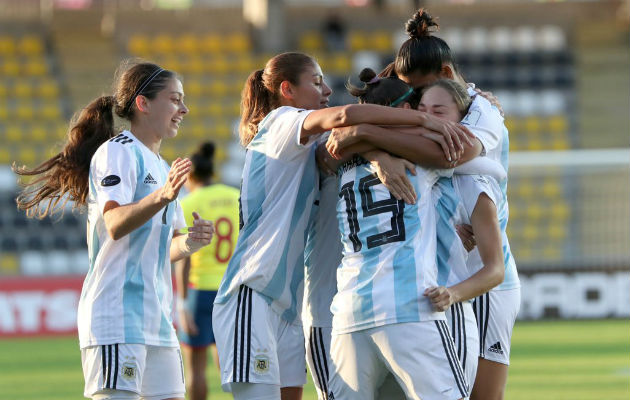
(291, 393)
(490, 381)
(195, 361)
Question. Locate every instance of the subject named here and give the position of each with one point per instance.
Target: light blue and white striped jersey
(127, 293)
(322, 257)
(485, 121)
(278, 190)
(388, 251)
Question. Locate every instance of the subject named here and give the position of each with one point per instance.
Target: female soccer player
(199, 276)
(422, 59)
(261, 344)
(129, 349)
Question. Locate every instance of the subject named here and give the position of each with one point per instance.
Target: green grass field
(575, 360)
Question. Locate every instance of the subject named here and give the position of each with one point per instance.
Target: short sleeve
(485, 121)
(279, 134)
(470, 187)
(113, 173)
(482, 166)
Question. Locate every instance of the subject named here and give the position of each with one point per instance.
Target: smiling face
(311, 92)
(439, 102)
(166, 110)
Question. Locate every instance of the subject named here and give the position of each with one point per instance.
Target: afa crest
(128, 371)
(261, 364)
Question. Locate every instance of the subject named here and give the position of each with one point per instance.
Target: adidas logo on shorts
(496, 348)
(149, 180)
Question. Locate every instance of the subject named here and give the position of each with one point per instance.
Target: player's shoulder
(117, 146)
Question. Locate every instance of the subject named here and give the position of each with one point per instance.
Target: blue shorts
(200, 303)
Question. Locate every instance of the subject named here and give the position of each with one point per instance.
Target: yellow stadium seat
(60, 131)
(244, 64)
(3, 91)
(535, 144)
(233, 109)
(220, 154)
(222, 130)
(560, 211)
(523, 253)
(552, 251)
(557, 231)
(48, 89)
(524, 189)
(236, 87)
(11, 68)
(358, 41)
(51, 111)
(168, 153)
(38, 133)
(22, 89)
(218, 87)
(187, 44)
(512, 124)
(211, 44)
(215, 109)
(311, 41)
(36, 67)
(31, 45)
(530, 232)
(560, 144)
(534, 211)
(193, 88)
(7, 45)
(381, 41)
(558, 124)
(341, 64)
(195, 66)
(9, 264)
(533, 125)
(4, 114)
(171, 62)
(163, 44)
(25, 111)
(198, 131)
(14, 133)
(218, 65)
(551, 188)
(237, 43)
(139, 45)
(27, 155)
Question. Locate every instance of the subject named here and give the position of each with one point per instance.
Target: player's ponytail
(203, 163)
(261, 93)
(383, 91)
(422, 52)
(64, 177)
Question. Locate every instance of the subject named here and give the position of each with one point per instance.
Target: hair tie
(401, 98)
(143, 86)
(373, 80)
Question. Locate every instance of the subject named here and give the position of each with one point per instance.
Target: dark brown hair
(422, 52)
(261, 93)
(382, 91)
(203, 163)
(65, 176)
(459, 94)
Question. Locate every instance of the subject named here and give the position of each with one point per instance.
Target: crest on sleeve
(110, 180)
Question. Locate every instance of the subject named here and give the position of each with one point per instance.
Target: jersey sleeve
(113, 172)
(470, 187)
(482, 166)
(485, 121)
(279, 134)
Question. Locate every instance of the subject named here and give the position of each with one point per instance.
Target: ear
(447, 71)
(286, 90)
(406, 106)
(141, 103)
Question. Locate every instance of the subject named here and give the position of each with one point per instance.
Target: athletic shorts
(318, 357)
(255, 344)
(199, 303)
(496, 313)
(420, 355)
(462, 323)
(133, 371)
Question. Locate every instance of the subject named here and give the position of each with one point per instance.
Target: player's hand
(176, 178)
(199, 235)
(341, 138)
(324, 160)
(186, 319)
(441, 298)
(439, 139)
(467, 236)
(392, 171)
(491, 98)
(455, 135)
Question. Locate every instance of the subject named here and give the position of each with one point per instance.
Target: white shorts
(461, 320)
(255, 344)
(133, 371)
(420, 355)
(318, 357)
(496, 313)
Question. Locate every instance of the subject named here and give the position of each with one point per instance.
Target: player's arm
(198, 236)
(121, 220)
(182, 274)
(485, 225)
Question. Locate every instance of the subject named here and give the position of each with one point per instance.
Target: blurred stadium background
(559, 68)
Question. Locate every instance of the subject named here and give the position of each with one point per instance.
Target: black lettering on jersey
(122, 139)
(110, 180)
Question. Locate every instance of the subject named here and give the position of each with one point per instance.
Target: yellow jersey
(219, 204)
